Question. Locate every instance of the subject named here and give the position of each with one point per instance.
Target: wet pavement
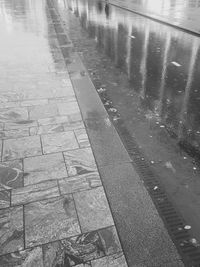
(69, 194)
(50, 188)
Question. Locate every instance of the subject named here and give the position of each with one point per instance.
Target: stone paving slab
(11, 174)
(21, 147)
(42, 168)
(11, 231)
(39, 191)
(79, 183)
(111, 261)
(57, 142)
(83, 248)
(44, 111)
(30, 257)
(93, 209)
(50, 220)
(80, 161)
(4, 199)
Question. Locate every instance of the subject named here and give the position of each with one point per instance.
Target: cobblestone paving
(53, 209)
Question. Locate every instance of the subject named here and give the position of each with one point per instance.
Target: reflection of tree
(143, 62)
(154, 64)
(109, 42)
(121, 46)
(191, 104)
(135, 57)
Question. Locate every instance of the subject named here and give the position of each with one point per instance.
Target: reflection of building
(161, 63)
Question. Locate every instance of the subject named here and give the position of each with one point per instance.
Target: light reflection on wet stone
(30, 257)
(11, 232)
(82, 249)
(11, 175)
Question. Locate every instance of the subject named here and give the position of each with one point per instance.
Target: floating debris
(112, 109)
(107, 103)
(194, 242)
(132, 36)
(176, 63)
(115, 118)
(187, 227)
(101, 90)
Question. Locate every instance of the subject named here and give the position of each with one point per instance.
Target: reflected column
(143, 69)
(188, 88)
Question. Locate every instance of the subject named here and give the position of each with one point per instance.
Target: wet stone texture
(93, 209)
(43, 190)
(42, 168)
(30, 257)
(82, 138)
(11, 175)
(117, 260)
(50, 220)
(44, 111)
(80, 161)
(4, 199)
(82, 249)
(11, 231)
(21, 147)
(59, 142)
(79, 183)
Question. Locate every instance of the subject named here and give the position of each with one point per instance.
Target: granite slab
(81, 249)
(4, 199)
(59, 142)
(27, 258)
(42, 168)
(80, 161)
(82, 138)
(53, 120)
(21, 147)
(73, 125)
(116, 260)
(21, 124)
(68, 108)
(11, 231)
(11, 174)
(27, 194)
(79, 183)
(13, 114)
(50, 220)
(64, 99)
(47, 129)
(34, 102)
(93, 210)
(15, 133)
(43, 111)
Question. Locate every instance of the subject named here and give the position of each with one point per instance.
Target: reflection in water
(161, 63)
(178, 12)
